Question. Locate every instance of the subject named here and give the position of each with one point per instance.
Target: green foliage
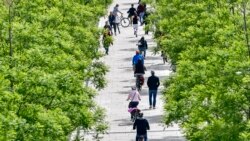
(209, 94)
(42, 83)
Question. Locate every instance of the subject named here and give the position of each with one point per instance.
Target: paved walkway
(120, 79)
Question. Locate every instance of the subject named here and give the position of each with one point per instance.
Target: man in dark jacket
(112, 22)
(141, 125)
(153, 84)
(142, 46)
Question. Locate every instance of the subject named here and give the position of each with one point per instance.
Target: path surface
(120, 79)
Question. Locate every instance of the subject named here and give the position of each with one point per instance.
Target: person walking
(135, 24)
(107, 40)
(117, 23)
(140, 12)
(142, 46)
(112, 24)
(137, 57)
(107, 26)
(146, 22)
(131, 13)
(141, 125)
(153, 84)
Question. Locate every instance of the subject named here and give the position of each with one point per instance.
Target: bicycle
(139, 81)
(125, 21)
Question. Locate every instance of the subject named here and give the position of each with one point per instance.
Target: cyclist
(135, 24)
(131, 13)
(135, 97)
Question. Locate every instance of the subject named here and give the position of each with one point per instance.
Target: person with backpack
(142, 46)
(137, 57)
(139, 67)
(141, 125)
(153, 84)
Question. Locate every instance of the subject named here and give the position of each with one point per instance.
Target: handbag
(131, 102)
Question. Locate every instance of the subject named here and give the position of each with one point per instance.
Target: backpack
(141, 80)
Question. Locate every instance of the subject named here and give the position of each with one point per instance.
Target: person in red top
(140, 12)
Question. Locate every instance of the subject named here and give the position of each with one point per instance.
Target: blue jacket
(111, 19)
(136, 58)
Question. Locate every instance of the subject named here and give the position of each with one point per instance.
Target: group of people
(134, 96)
(136, 15)
(111, 28)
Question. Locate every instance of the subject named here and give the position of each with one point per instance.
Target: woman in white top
(117, 22)
(135, 97)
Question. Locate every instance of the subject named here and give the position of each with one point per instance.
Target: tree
(209, 94)
(49, 49)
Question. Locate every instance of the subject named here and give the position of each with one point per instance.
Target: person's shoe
(150, 107)
(153, 107)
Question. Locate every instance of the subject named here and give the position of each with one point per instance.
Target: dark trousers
(152, 97)
(113, 25)
(143, 51)
(106, 50)
(144, 136)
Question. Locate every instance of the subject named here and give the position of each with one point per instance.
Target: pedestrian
(164, 57)
(131, 13)
(139, 67)
(112, 24)
(142, 46)
(140, 12)
(107, 26)
(153, 84)
(146, 21)
(141, 125)
(117, 23)
(135, 24)
(134, 96)
(107, 40)
(137, 57)
(116, 10)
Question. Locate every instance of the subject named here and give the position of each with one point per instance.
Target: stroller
(134, 112)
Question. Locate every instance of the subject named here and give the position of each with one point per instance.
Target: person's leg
(117, 25)
(144, 53)
(145, 137)
(106, 50)
(136, 138)
(150, 98)
(114, 25)
(154, 97)
(111, 26)
(140, 51)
